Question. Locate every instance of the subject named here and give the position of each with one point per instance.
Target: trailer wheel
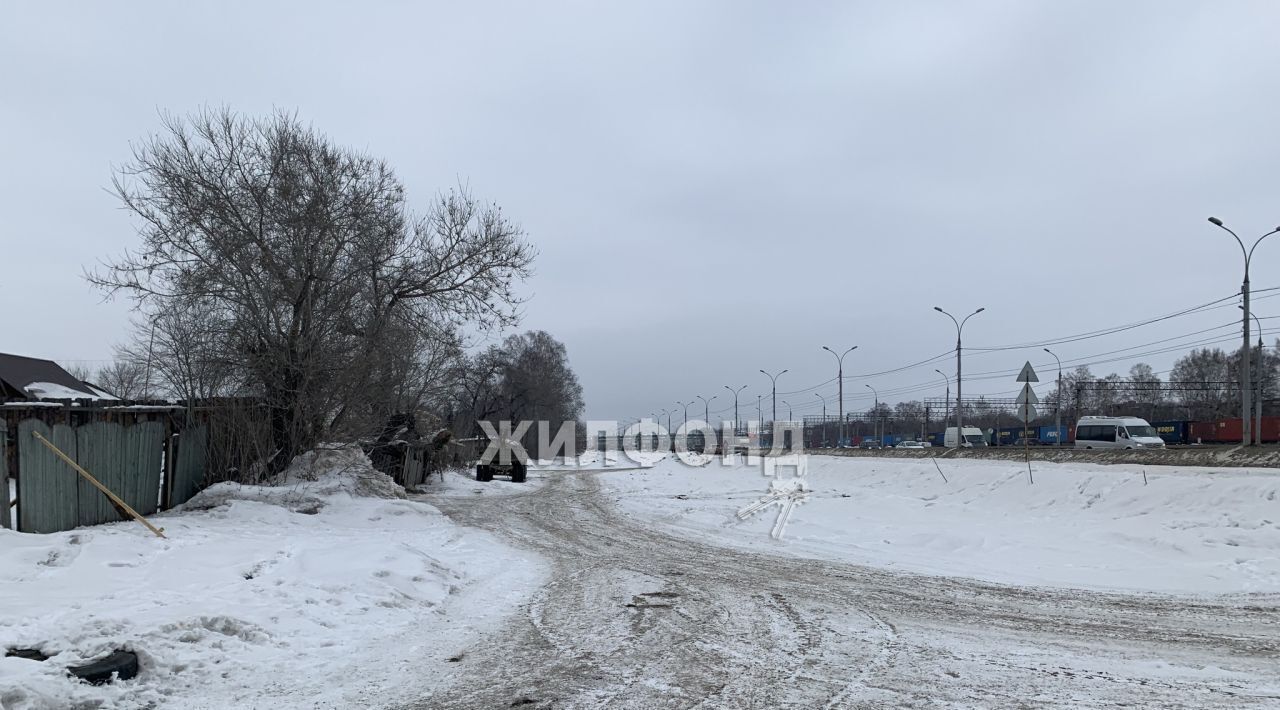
(518, 471)
(484, 472)
(121, 664)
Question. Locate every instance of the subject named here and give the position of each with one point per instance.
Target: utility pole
(946, 412)
(1057, 406)
(840, 386)
(1246, 429)
(774, 396)
(824, 417)
(875, 414)
(759, 413)
(960, 440)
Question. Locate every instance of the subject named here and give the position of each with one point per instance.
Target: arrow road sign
(1027, 396)
(1027, 374)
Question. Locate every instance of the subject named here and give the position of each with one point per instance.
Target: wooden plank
(148, 440)
(50, 488)
(97, 450)
(190, 463)
(5, 512)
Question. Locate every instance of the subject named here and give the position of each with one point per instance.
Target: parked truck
(973, 436)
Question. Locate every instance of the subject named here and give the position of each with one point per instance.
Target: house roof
(17, 373)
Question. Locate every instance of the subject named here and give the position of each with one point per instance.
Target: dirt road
(634, 618)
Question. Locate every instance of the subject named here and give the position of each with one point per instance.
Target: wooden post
(114, 498)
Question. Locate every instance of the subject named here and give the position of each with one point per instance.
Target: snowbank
(329, 590)
(1080, 525)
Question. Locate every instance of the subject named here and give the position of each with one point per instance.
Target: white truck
(973, 436)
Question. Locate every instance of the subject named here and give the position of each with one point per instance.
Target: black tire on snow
(484, 472)
(518, 471)
(123, 663)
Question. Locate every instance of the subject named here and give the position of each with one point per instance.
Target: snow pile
(1193, 530)
(329, 590)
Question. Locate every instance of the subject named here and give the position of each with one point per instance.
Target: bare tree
(124, 378)
(286, 267)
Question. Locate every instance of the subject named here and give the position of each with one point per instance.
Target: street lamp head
(784, 372)
(938, 309)
(764, 373)
(1216, 221)
(1048, 351)
(979, 310)
(827, 349)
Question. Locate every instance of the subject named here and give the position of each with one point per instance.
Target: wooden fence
(152, 457)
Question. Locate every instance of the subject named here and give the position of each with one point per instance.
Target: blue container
(1052, 435)
(937, 438)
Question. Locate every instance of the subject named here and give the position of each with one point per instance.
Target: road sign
(1027, 411)
(1027, 374)
(1027, 396)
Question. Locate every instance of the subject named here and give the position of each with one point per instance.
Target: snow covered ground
(330, 591)
(1186, 530)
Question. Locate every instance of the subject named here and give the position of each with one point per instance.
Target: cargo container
(1008, 436)
(936, 438)
(1228, 431)
(1050, 435)
(1173, 432)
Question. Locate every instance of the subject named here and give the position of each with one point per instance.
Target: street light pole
(774, 396)
(1057, 409)
(788, 410)
(1244, 290)
(840, 385)
(706, 409)
(960, 440)
(735, 406)
(686, 412)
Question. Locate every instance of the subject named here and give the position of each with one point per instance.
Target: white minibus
(1116, 433)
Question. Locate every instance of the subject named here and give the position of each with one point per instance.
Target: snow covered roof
(32, 378)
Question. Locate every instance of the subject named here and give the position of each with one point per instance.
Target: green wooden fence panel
(4, 476)
(145, 447)
(50, 488)
(413, 467)
(125, 459)
(190, 463)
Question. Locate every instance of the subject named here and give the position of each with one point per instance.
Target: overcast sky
(714, 188)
